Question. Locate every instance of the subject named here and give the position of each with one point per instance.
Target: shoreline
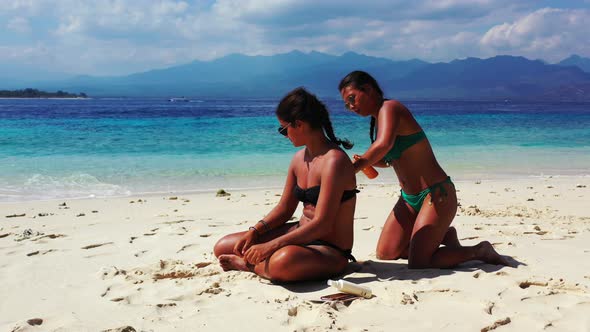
(59, 98)
(382, 180)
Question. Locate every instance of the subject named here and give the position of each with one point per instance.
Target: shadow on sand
(383, 271)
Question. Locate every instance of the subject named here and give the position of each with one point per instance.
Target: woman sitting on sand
(419, 222)
(321, 176)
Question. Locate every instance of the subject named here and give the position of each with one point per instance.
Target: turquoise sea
(52, 148)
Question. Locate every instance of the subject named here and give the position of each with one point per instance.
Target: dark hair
(301, 105)
(358, 79)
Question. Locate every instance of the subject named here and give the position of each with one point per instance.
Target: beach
(138, 143)
(146, 262)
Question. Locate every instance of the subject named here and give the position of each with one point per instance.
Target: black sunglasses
(350, 100)
(284, 130)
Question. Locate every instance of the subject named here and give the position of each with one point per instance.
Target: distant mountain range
(577, 61)
(241, 76)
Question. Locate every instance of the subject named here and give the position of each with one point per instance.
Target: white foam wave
(81, 185)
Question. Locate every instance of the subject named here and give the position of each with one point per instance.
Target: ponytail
(372, 130)
(327, 125)
(299, 104)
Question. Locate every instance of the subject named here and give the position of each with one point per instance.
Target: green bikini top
(401, 144)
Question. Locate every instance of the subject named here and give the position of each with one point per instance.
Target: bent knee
(387, 256)
(292, 263)
(218, 249)
(223, 246)
(397, 253)
(415, 264)
(281, 265)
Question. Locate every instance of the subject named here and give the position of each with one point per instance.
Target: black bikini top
(311, 195)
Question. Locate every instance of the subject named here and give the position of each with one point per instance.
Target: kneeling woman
(322, 177)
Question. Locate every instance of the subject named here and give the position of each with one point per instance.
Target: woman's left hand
(259, 252)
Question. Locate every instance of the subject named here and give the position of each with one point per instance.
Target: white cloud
(169, 8)
(117, 18)
(30, 54)
(415, 26)
(19, 5)
(555, 33)
(123, 36)
(71, 25)
(19, 25)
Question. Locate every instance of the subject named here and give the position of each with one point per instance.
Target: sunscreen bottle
(369, 171)
(351, 288)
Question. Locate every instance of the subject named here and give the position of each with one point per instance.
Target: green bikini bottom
(416, 201)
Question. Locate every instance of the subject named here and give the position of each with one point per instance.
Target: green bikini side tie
(416, 201)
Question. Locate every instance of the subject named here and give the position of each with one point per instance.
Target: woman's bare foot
(486, 252)
(451, 240)
(233, 262)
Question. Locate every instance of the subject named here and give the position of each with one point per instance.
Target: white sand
(149, 265)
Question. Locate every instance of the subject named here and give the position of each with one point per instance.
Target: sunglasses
(350, 100)
(284, 130)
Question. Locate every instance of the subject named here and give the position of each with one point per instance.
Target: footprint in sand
(48, 236)
(28, 234)
(178, 221)
(92, 246)
(407, 299)
(214, 289)
(120, 299)
(527, 284)
(187, 246)
(121, 329)
(420, 295)
(570, 317)
(110, 272)
(35, 321)
(177, 281)
(496, 324)
(554, 287)
(42, 252)
(16, 215)
(312, 317)
(489, 307)
(140, 253)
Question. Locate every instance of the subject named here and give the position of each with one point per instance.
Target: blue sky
(115, 37)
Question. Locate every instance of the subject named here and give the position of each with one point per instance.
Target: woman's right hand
(248, 239)
(355, 159)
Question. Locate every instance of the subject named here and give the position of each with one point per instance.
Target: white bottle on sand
(351, 288)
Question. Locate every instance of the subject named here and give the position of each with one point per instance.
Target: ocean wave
(81, 185)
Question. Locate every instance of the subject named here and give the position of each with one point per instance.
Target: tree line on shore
(34, 93)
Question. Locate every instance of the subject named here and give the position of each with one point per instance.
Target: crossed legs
(290, 263)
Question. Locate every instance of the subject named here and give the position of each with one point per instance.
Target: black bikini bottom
(346, 253)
